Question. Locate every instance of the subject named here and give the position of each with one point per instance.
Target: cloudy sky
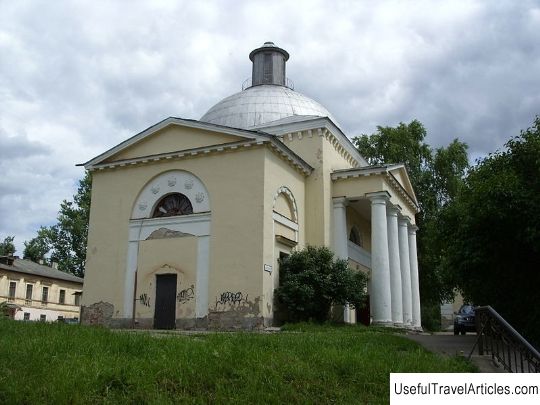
(78, 77)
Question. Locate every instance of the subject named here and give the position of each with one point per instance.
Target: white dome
(262, 104)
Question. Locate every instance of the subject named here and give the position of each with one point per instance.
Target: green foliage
(36, 249)
(7, 248)
(491, 233)
(437, 176)
(311, 282)
(347, 365)
(431, 317)
(66, 241)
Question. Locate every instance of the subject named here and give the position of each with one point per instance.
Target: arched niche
(168, 183)
(192, 222)
(285, 215)
(285, 204)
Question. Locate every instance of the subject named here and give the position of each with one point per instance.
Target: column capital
(339, 202)
(393, 210)
(412, 229)
(379, 197)
(404, 220)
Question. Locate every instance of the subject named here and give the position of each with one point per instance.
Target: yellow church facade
(190, 217)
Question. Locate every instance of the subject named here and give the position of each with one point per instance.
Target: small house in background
(37, 292)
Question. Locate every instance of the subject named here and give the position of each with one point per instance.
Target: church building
(189, 217)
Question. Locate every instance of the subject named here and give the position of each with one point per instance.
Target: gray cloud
(16, 147)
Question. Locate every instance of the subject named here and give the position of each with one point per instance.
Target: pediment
(173, 135)
(173, 138)
(399, 172)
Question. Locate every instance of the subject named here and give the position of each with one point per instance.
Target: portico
(379, 202)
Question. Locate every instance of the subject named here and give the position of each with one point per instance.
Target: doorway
(165, 308)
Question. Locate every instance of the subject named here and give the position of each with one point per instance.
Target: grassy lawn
(57, 363)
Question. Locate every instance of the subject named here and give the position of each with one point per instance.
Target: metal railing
(498, 338)
(247, 83)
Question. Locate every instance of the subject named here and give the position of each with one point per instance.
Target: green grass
(56, 363)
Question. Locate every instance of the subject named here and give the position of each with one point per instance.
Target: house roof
(35, 269)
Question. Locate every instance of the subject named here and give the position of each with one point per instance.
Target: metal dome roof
(262, 104)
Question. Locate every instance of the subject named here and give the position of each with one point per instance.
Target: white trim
(284, 221)
(359, 254)
(173, 181)
(194, 224)
(203, 271)
(197, 225)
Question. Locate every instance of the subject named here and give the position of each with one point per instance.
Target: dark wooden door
(165, 309)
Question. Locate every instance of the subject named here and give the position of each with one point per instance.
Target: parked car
(69, 321)
(465, 320)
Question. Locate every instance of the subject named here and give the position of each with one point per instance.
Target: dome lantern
(268, 65)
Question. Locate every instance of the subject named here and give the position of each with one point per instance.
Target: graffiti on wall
(186, 295)
(144, 300)
(231, 299)
(237, 303)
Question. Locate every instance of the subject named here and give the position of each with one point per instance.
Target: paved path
(447, 344)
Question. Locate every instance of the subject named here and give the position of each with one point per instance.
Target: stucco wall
(52, 308)
(279, 174)
(321, 154)
(235, 184)
(173, 138)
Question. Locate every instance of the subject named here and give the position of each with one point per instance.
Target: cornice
(322, 126)
(384, 172)
(251, 135)
(280, 150)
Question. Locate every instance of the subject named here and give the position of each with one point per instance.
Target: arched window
(355, 236)
(172, 205)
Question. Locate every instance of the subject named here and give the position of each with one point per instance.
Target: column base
(388, 324)
(399, 325)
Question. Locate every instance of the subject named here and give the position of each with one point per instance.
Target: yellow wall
(278, 173)
(319, 152)
(174, 138)
(242, 187)
(235, 182)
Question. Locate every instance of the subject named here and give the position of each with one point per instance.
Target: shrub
(312, 281)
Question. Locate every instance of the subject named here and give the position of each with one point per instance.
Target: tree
(36, 249)
(491, 233)
(311, 282)
(67, 239)
(7, 248)
(436, 176)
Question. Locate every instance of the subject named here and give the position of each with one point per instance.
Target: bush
(312, 281)
(431, 317)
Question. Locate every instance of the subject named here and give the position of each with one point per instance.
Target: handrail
(246, 84)
(498, 338)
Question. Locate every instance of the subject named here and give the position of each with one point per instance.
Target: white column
(415, 287)
(406, 292)
(395, 267)
(340, 239)
(381, 310)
